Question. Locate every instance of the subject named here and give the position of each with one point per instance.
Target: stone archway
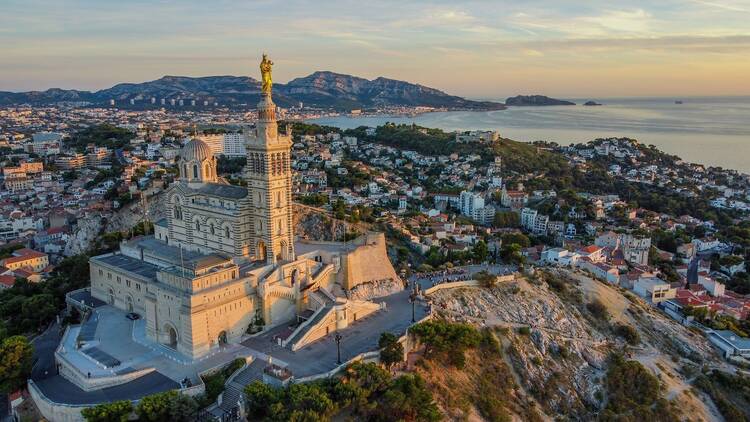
(295, 276)
(261, 250)
(171, 336)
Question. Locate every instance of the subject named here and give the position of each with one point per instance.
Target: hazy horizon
(475, 49)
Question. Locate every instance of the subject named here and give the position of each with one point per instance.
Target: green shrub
(598, 309)
(628, 333)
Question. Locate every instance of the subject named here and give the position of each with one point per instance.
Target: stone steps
(310, 324)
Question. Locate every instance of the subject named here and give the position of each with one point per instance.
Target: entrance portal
(171, 336)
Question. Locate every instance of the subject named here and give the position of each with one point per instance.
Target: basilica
(226, 256)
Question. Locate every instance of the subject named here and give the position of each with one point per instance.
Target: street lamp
(413, 301)
(338, 338)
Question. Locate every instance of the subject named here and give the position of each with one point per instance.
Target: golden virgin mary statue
(265, 72)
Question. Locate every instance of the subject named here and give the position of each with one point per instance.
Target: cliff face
(559, 359)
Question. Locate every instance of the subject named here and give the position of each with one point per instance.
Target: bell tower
(269, 181)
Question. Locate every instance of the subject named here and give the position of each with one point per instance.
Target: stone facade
(224, 256)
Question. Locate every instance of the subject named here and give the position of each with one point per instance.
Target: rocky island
(591, 103)
(535, 100)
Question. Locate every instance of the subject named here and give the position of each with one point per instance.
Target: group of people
(445, 276)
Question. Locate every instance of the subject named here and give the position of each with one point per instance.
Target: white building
(234, 144)
(534, 222)
(477, 136)
(654, 289)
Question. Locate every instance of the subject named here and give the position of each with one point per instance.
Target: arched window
(212, 229)
(198, 225)
(279, 225)
(278, 199)
(184, 171)
(195, 171)
(177, 212)
(226, 232)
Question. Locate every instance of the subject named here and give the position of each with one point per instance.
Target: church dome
(196, 150)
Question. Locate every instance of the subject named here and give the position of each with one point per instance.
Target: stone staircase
(309, 325)
(234, 389)
(320, 296)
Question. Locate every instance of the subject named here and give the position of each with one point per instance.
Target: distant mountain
(535, 100)
(346, 91)
(320, 89)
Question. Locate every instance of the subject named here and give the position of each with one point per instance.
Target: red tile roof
(591, 249)
(7, 280)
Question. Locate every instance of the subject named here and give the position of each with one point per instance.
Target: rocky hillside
(320, 89)
(345, 91)
(568, 341)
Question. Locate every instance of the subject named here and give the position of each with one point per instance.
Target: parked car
(133, 316)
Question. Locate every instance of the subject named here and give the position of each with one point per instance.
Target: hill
(326, 90)
(535, 100)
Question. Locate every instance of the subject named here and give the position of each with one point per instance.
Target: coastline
(708, 134)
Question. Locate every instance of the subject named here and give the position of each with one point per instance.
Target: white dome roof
(196, 150)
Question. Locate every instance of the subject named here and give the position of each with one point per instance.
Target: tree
(598, 309)
(391, 351)
(486, 279)
(480, 251)
(443, 338)
(182, 408)
(630, 386)
(118, 411)
(16, 360)
(408, 400)
(507, 219)
(517, 238)
(40, 309)
(511, 253)
(628, 333)
(259, 399)
(169, 405)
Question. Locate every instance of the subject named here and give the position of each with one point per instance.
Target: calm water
(713, 131)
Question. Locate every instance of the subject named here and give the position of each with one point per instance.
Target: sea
(713, 131)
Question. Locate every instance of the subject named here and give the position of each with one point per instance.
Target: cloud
(730, 6)
(529, 52)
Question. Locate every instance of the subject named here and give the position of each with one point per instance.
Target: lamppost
(338, 338)
(413, 301)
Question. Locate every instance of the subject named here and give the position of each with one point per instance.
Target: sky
(486, 49)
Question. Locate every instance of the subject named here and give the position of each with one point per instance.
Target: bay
(713, 131)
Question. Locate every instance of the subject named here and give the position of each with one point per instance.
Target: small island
(535, 100)
(591, 103)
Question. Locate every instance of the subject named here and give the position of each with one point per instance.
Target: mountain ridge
(320, 89)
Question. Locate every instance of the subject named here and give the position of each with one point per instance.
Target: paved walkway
(361, 336)
(457, 273)
(115, 336)
(60, 390)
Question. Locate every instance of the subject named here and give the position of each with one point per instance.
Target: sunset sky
(479, 49)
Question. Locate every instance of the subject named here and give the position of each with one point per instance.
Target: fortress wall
(368, 262)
